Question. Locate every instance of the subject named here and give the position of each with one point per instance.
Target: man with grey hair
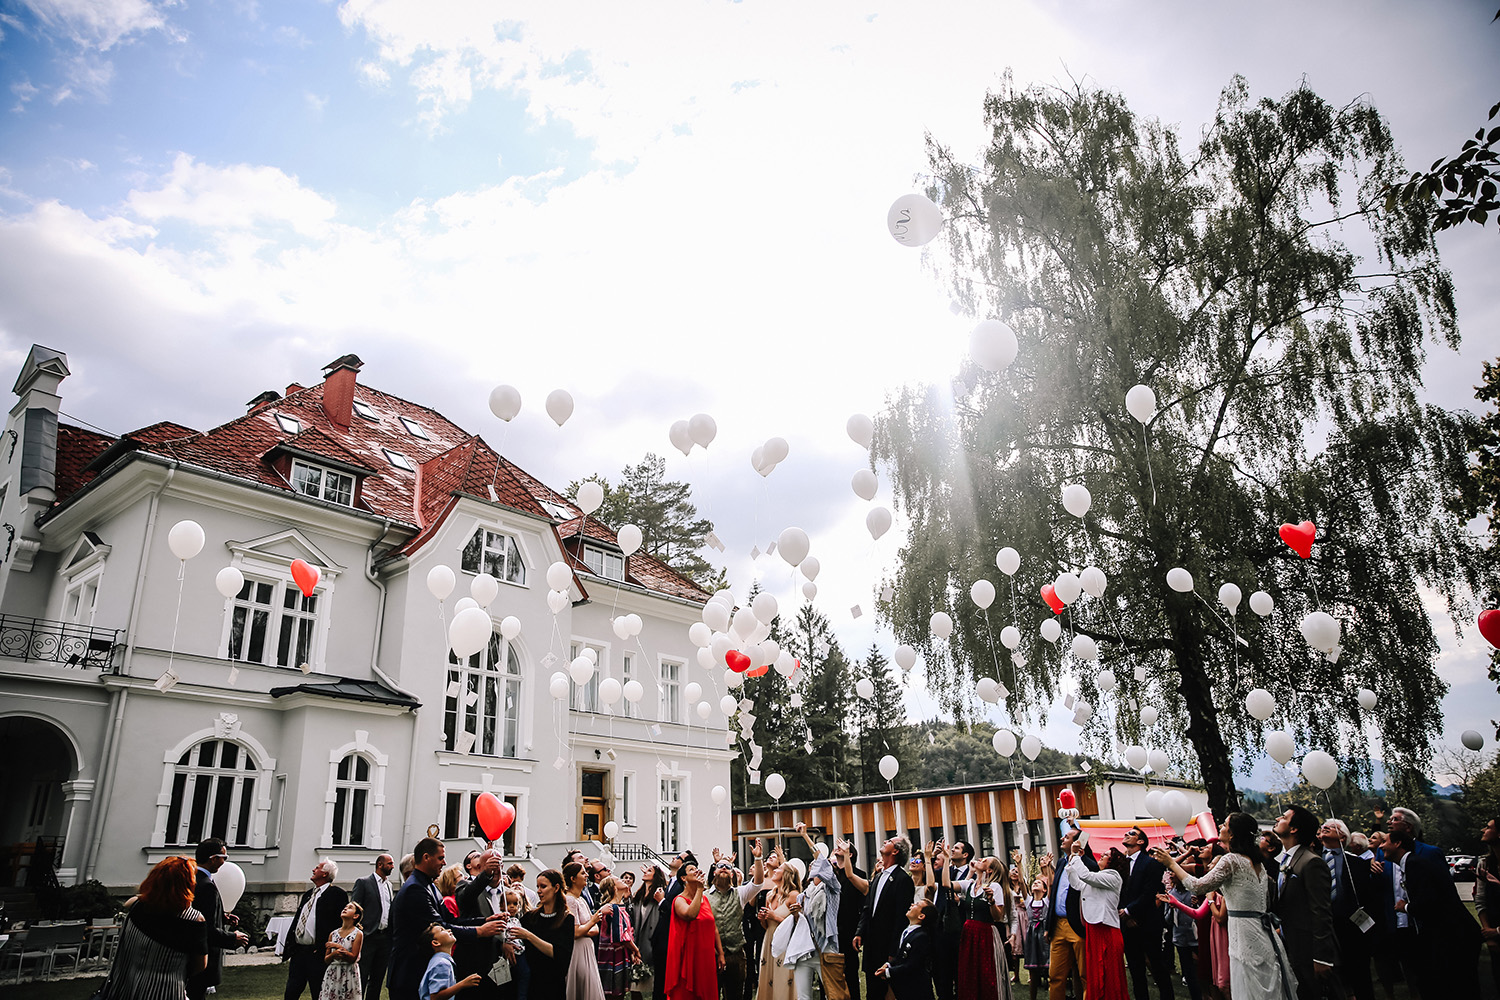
(317, 915)
(891, 894)
(1354, 907)
(1360, 844)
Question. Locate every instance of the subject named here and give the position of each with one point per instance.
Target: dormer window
(290, 425)
(496, 554)
(364, 410)
(557, 510)
(325, 484)
(399, 460)
(602, 562)
(413, 428)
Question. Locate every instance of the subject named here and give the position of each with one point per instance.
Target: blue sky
(667, 208)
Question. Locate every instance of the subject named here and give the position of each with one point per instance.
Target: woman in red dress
(694, 953)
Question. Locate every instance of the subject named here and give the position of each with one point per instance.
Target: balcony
(71, 645)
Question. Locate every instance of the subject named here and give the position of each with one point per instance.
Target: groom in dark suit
(1304, 902)
(1141, 919)
(211, 855)
(890, 896)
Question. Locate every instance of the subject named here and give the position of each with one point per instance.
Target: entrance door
(592, 790)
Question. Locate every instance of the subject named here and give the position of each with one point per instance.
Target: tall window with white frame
(351, 801)
(671, 698)
(213, 794)
(494, 553)
(460, 822)
(627, 800)
(482, 712)
(324, 484)
(585, 697)
(273, 622)
(627, 674)
(671, 814)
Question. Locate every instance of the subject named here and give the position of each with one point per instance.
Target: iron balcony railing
(636, 852)
(72, 645)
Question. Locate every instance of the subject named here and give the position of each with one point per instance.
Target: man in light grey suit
(374, 894)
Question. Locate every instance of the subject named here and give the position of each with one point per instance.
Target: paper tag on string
(746, 704)
(656, 730)
(453, 689)
(1359, 918)
(548, 660)
(1026, 784)
(1140, 673)
(796, 701)
(888, 594)
(494, 497)
(167, 681)
(560, 763)
(771, 549)
(306, 668)
(712, 541)
(754, 777)
(855, 612)
(1069, 701)
(1080, 716)
(464, 743)
(471, 698)
(234, 674)
(931, 738)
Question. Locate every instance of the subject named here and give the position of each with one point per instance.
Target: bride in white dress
(1258, 967)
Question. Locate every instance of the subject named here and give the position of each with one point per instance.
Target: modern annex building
(141, 711)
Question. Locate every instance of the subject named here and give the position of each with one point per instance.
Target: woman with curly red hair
(164, 939)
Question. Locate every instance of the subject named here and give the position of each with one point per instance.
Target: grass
(241, 982)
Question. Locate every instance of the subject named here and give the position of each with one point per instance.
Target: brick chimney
(338, 388)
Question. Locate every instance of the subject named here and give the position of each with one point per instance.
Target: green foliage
(1484, 440)
(671, 529)
(947, 755)
(879, 725)
(1287, 371)
(78, 902)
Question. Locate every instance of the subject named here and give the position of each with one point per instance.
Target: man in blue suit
(417, 906)
(1438, 935)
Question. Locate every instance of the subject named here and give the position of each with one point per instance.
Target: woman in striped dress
(164, 939)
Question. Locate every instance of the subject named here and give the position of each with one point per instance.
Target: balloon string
(172, 653)
(1146, 447)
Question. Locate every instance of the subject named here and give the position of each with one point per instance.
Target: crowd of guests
(1304, 911)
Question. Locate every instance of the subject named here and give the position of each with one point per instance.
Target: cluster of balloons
(766, 457)
(700, 429)
(186, 538)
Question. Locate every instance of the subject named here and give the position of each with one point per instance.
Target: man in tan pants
(1065, 927)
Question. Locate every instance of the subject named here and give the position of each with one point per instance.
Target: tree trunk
(1214, 760)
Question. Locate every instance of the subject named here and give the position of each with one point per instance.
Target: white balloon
(1176, 810)
(727, 705)
(484, 589)
(865, 484)
(1135, 756)
(1051, 629)
(557, 600)
(230, 881)
(636, 623)
(611, 829)
(1149, 716)
(1159, 760)
(1010, 637)
(1067, 587)
(941, 624)
(775, 786)
(1153, 803)
(1180, 580)
(889, 766)
(700, 635)
(1367, 699)
(633, 691)
(703, 429)
(590, 496)
(732, 679)
(1141, 402)
(764, 606)
(629, 538)
(505, 402)
(558, 688)
(1279, 746)
(705, 659)
(1076, 500)
(469, 632)
(758, 459)
(906, 657)
(861, 430)
(745, 622)
(878, 521)
(1106, 680)
(1322, 631)
(1471, 738)
(559, 576)
(716, 616)
(1320, 769)
(719, 646)
(440, 582)
(1085, 648)
(680, 436)
(229, 581)
(559, 406)
(1261, 603)
(692, 692)
(591, 654)
(1008, 560)
(510, 626)
(992, 345)
(185, 539)
(792, 546)
(1229, 596)
(982, 593)
(810, 567)
(776, 450)
(1261, 704)
(610, 691)
(1082, 712)
(913, 220)
(988, 689)
(704, 710)
(464, 603)
(810, 590)
(1093, 581)
(1004, 742)
(719, 794)
(786, 663)
(581, 670)
(1031, 746)
(865, 688)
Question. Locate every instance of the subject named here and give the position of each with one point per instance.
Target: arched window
(351, 801)
(483, 709)
(213, 794)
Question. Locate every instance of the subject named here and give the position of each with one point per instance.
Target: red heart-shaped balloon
(495, 816)
(1299, 537)
(1053, 601)
(1489, 627)
(759, 671)
(738, 662)
(305, 576)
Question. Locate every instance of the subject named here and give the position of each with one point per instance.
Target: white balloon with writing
(913, 220)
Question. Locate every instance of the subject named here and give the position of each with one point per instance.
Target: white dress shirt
(1099, 893)
(383, 886)
(307, 919)
(1403, 919)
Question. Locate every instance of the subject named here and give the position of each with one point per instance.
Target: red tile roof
(449, 461)
(641, 569)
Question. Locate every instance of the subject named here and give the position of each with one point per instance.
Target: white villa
(141, 711)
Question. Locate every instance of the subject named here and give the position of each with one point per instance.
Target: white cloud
(99, 24)
(232, 198)
(315, 103)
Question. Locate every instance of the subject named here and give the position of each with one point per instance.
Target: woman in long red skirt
(694, 952)
(1103, 946)
(983, 972)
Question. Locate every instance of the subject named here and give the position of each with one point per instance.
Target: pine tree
(880, 724)
(671, 529)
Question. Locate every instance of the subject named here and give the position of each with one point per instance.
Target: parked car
(1461, 867)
